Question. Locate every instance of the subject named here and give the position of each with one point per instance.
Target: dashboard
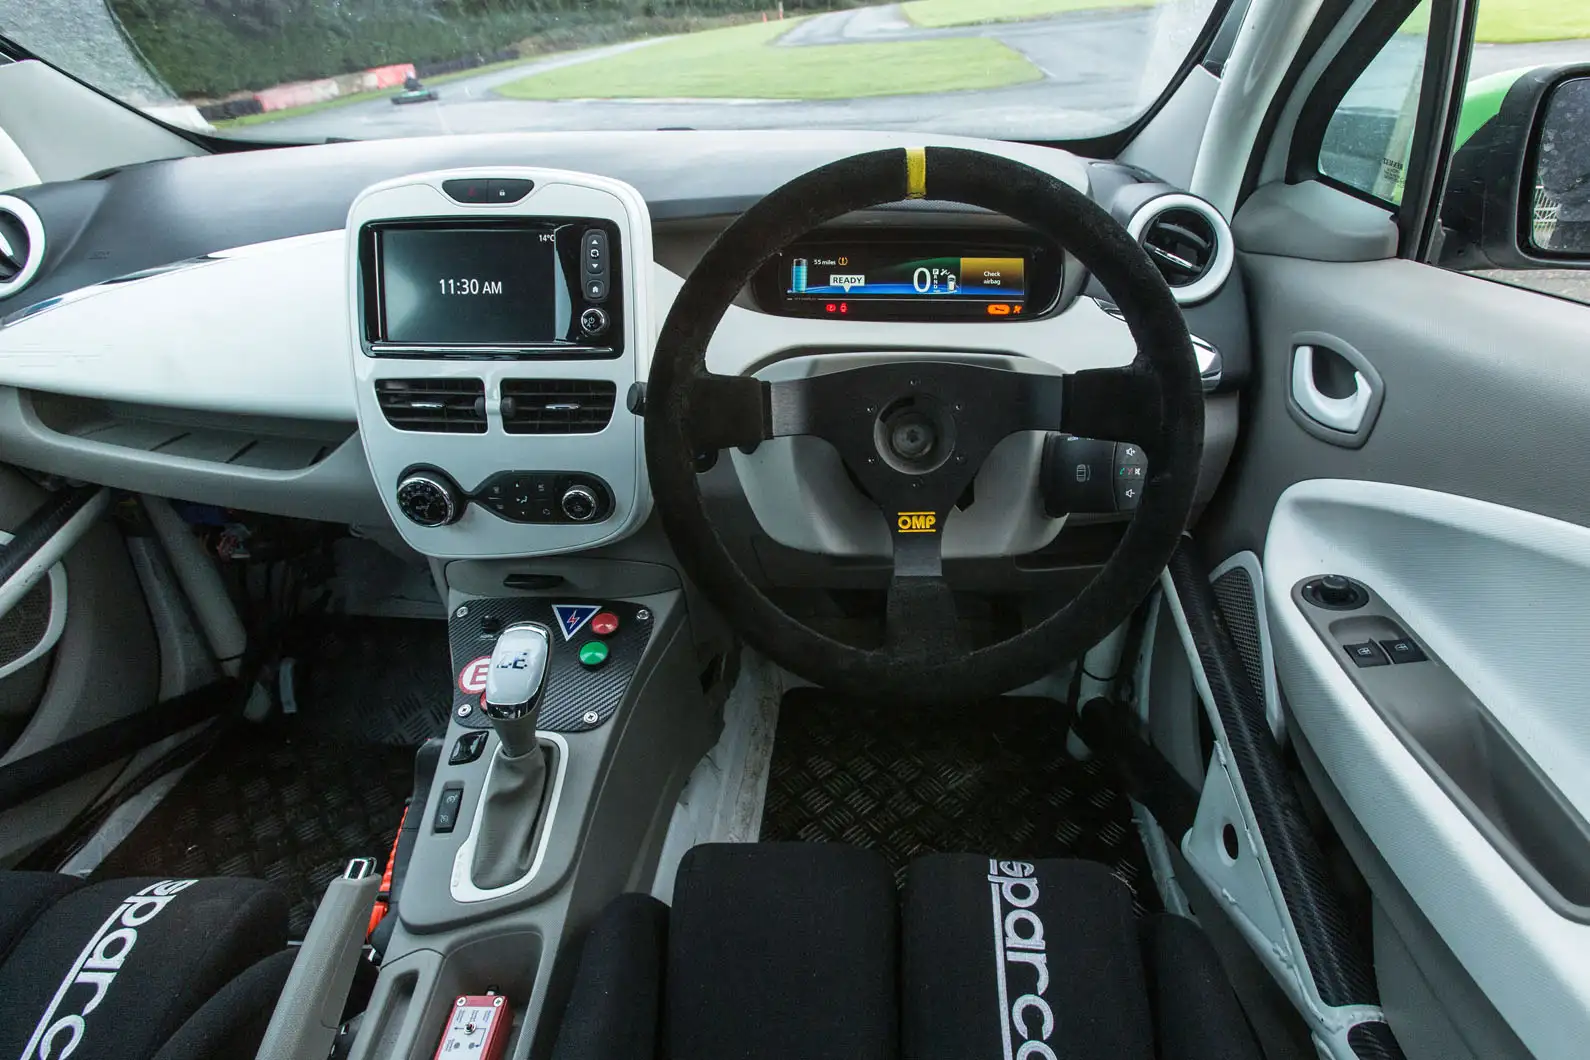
(449, 336)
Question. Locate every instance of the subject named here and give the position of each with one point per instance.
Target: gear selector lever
(515, 682)
(516, 783)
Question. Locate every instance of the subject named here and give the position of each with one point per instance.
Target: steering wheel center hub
(914, 435)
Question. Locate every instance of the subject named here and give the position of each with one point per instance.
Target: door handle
(1345, 414)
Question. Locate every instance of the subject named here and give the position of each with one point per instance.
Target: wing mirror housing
(1518, 196)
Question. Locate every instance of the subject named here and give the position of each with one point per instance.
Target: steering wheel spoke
(725, 411)
(922, 618)
(1115, 405)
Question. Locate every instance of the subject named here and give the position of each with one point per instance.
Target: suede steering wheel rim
(1155, 402)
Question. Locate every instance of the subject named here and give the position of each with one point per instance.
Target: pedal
(478, 1030)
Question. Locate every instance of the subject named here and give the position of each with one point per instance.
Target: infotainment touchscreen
(472, 285)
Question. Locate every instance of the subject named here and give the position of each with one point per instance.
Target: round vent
(21, 244)
(1188, 241)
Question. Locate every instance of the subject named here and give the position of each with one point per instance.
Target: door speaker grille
(26, 624)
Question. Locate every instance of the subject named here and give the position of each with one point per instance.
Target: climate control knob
(429, 498)
(579, 503)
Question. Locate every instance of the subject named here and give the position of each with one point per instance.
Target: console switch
(472, 191)
(545, 497)
(508, 189)
(468, 748)
(447, 806)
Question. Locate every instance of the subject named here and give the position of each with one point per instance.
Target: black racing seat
(805, 952)
(138, 969)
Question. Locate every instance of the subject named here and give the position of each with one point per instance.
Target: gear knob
(515, 682)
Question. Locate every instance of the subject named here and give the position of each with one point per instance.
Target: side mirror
(1518, 196)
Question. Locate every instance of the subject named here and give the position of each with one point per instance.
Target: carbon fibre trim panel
(1342, 975)
(1374, 1041)
(578, 698)
(1234, 595)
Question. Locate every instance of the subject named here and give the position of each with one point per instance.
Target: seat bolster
(1196, 1013)
(24, 896)
(232, 1023)
(615, 1004)
(783, 950)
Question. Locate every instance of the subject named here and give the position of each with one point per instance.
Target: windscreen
(309, 70)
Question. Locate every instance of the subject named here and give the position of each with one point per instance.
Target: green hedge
(210, 48)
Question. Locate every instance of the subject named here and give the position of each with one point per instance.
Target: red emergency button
(604, 624)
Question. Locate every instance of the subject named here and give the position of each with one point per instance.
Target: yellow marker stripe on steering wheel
(916, 172)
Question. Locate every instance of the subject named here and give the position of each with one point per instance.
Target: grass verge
(1519, 21)
(744, 63)
(935, 14)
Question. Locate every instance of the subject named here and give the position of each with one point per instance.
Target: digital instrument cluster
(869, 278)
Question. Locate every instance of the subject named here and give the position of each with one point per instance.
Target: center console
(498, 321)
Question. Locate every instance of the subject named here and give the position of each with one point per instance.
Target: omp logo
(917, 522)
(94, 970)
(1020, 957)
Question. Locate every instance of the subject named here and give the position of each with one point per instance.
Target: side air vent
(557, 406)
(1188, 241)
(21, 244)
(441, 406)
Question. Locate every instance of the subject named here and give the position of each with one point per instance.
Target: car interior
(807, 593)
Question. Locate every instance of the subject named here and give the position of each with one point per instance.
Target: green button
(593, 653)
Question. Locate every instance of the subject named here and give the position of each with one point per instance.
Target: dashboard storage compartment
(264, 442)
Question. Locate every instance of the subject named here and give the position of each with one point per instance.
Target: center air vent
(21, 244)
(443, 406)
(557, 406)
(1188, 242)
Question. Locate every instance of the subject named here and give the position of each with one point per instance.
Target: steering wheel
(914, 432)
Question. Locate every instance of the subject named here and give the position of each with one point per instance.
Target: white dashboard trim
(153, 339)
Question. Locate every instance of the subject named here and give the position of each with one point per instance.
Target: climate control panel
(429, 497)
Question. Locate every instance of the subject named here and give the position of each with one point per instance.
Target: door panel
(1494, 592)
(1486, 390)
(1464, 511)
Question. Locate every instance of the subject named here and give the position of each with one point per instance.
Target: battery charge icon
(797, 279)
